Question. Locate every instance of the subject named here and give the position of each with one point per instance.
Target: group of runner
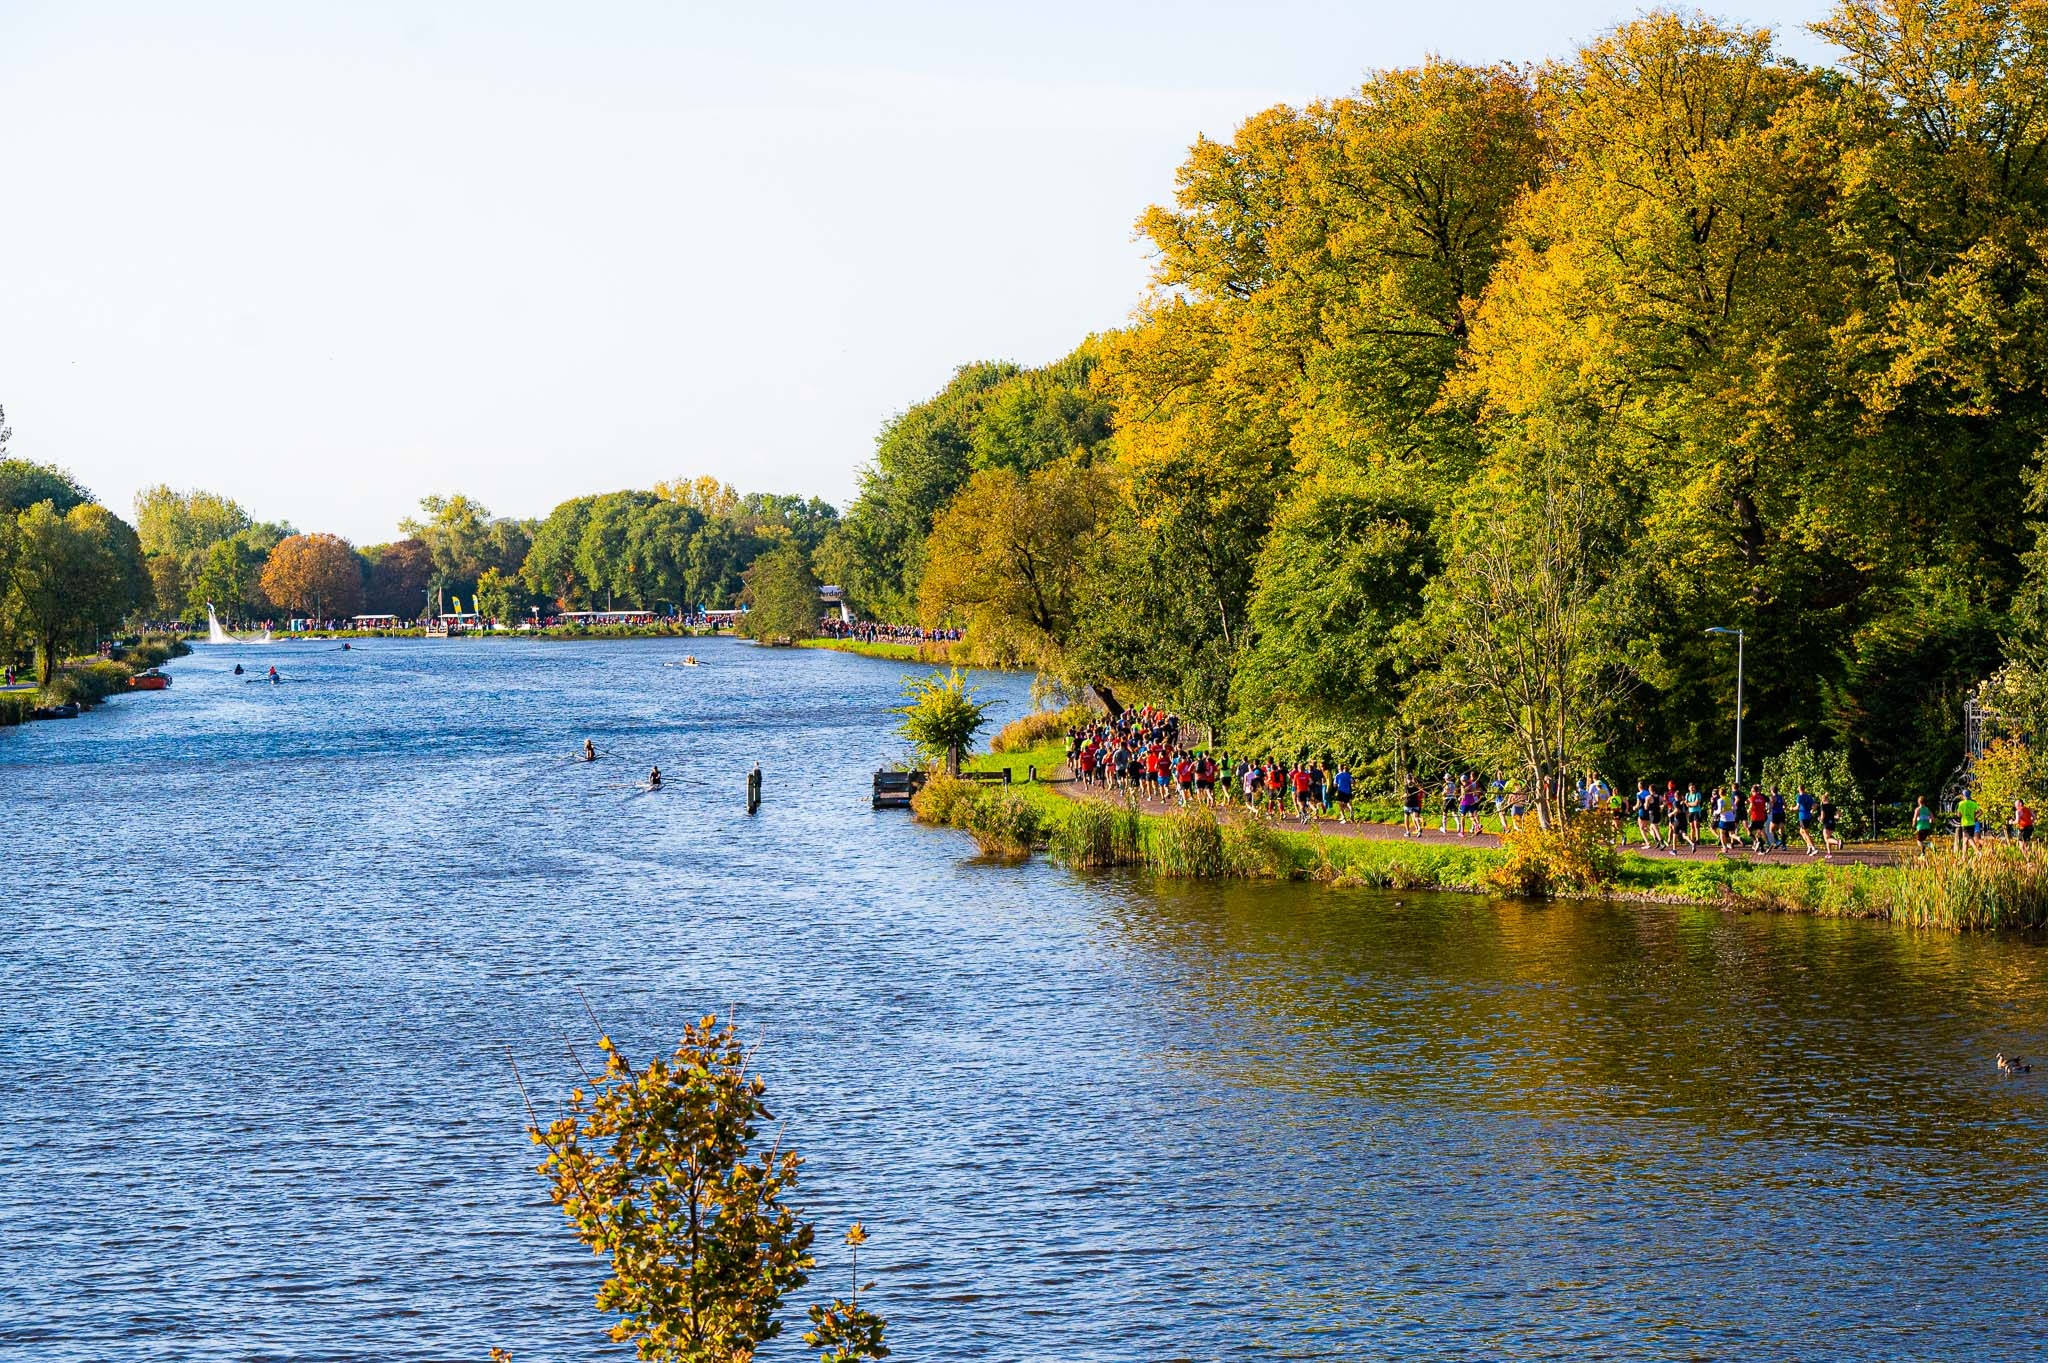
(1971, 823)
(1139, 752)
(1758, 819)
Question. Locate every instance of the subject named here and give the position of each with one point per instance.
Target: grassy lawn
(902, 653)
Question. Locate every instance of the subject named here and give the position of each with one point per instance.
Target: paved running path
(1063, 783)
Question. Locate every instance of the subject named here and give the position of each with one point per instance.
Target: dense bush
(15, 705)
(86, 683)
(1003, 823)
(943, 800)
(1577, 858)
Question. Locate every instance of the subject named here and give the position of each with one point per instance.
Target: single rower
(273, 673)
(654, 779)
(589, 751)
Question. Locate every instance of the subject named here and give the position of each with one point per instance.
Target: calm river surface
(264, 948)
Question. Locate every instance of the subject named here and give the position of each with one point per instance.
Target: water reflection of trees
(1749, 1028)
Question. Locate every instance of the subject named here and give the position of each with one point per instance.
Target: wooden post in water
(754, 789)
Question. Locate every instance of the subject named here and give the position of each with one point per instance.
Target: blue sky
(327, 259)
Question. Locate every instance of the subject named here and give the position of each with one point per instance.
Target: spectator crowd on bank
(872, 632)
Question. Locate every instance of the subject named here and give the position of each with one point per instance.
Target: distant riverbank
(85, 682)
(951, 653)
(548, 632)
(1996, 887)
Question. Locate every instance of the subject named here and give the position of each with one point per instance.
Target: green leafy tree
(227, 578)
(1525, 628)
(604, 553)
(1340, 580)
(23, 483)
(782, 597)
(456, 531)
(1009, 557)
(497, 596)
(550, 570)
(940, 716)
(73, 575)
(989, 416)
(661, 1169)
(185, 523)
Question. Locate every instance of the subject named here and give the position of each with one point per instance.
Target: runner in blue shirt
(1806, 808)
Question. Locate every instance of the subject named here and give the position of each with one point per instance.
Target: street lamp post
(1722, 629)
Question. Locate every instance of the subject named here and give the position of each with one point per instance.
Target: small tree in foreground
(661, 1169)
(847, 1331)
(941, 716)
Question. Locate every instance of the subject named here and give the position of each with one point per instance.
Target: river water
(265, 948)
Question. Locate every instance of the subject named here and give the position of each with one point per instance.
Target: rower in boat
(654, 779)
(589, 751)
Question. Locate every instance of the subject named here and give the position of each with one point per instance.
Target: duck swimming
(2013, 1065)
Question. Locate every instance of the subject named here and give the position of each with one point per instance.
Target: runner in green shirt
(1967, 811)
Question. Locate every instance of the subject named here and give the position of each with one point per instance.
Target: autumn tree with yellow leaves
(663, 1169)
(1786, 327)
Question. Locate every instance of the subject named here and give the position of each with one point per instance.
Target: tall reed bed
(1001, 822)
(1037, 727)
(1187, 845)
(1094, 834)
(1993, 887)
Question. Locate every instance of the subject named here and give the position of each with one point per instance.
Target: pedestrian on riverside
(2023, 822)
(1677, 821)
(1923, 824)
(1829, 816)
(1342, 782)
(1806, 809)
(1967, 829)
(1411, 808)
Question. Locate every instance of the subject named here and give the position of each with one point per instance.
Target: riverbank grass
(947, 654)
(1996, 887)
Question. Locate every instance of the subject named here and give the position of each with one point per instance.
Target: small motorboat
(152, 680)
